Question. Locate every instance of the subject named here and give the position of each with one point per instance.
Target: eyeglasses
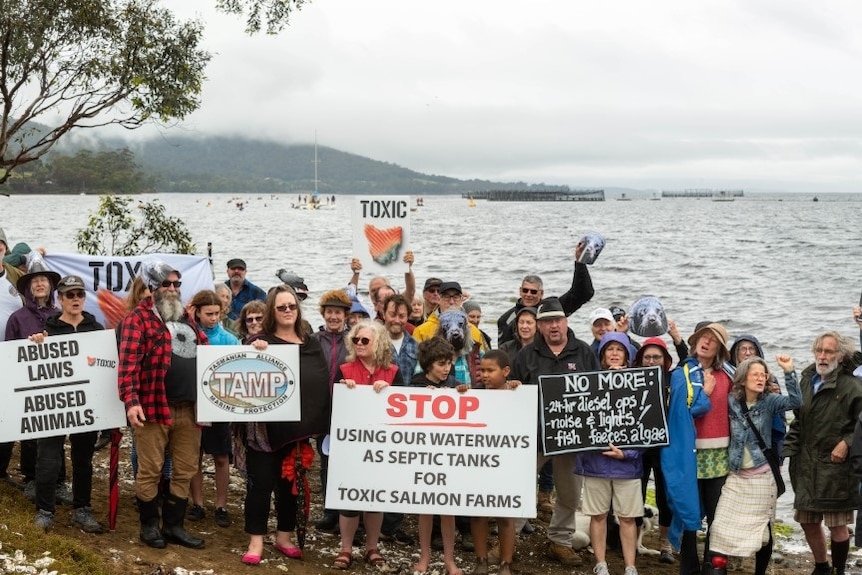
(284, 308)
(234, 269)
(658, 357)
(451, 296)
(360, 340)
(433, 290)
(747, 349)
(254, 319)
(530, 291)
(168, 283)
(75, 294)
(760, 375)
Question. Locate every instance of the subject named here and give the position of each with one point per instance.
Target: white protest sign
(109, 278)
(239, 383)
(66, 385)
(381, 233)
(434, 451)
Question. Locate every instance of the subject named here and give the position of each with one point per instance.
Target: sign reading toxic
(380, 232)
(65, 385)
(435, 451)
(239, 383)
(587, 411)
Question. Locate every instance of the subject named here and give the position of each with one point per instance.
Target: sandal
(374, 557)
(343, 560)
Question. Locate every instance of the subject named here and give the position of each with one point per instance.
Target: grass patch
(783, 529)
(650, 496)
(70, 555)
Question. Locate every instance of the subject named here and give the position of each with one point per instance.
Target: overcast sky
(763, 94)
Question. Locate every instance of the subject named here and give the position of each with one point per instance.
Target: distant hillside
(222, 164)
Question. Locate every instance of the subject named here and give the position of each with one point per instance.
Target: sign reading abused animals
(67, 384)
(381, 233)
(587, 411)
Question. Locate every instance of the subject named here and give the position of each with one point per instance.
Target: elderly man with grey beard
(157, 383)
(818, 444)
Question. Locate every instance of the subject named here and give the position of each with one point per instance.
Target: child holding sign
(494, 374)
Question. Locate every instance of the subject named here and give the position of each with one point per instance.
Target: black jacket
(579, 293)
(536, 359)
(56, 326)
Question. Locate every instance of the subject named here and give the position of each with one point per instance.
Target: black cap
(550, 308)
(236, 263)
(451, 286)
(617, 312)
(432, 282)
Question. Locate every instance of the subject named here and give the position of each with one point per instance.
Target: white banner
(239, 383)
(381, 233)
(434, 451)
(65, 385)
(108, 279)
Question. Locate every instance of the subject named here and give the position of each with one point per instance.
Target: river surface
(778, 267)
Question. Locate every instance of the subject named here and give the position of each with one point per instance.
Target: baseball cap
(601, 313)
(550, 308)
(69, 283)
(432, 282)
(236, 263)
(451, 286)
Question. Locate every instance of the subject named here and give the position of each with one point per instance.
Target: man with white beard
(818, 444)
(157, 383)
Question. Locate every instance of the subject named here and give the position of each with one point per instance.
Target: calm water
(782, 270)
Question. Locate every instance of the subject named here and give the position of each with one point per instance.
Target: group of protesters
(725, 411)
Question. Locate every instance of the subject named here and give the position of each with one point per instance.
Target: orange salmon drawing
(113, 307)
(383, 245)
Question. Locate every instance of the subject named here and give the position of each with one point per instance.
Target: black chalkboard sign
(587, 411)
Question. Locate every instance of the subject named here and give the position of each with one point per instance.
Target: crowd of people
(720, 472)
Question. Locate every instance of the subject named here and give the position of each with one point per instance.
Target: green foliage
(21, 533)
(275, 12)
(86, 63)
(112, 171)
(113, 230)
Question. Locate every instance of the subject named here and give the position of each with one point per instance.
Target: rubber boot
(150, 534)
(173, 516)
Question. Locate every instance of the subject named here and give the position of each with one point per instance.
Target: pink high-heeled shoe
(251, 559)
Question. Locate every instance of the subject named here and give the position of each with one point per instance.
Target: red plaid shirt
(145, 357)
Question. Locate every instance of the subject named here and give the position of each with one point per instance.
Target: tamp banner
(108, 279)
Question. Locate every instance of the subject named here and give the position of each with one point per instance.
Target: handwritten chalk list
(587, 411)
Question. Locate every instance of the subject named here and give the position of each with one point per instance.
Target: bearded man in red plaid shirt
(157, 383)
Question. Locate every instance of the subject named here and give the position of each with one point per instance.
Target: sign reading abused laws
(434, 451)
(65, 385)
(586, 411)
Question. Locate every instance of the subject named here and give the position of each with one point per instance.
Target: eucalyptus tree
(73, 64)
(274, 14)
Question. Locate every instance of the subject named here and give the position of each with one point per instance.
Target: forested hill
(222, 164)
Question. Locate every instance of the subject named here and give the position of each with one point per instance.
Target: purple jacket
(29, 319)
(594, 464)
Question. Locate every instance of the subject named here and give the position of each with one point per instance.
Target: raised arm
(409, 278)
(582, 287)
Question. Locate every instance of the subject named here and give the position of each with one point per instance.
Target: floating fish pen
(537, 195)
(701, 193)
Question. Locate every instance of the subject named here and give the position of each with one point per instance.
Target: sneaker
(30, 490)
(103, 441)
(222, 519)
(196, 513)
(83, 519)
(398, 536)
(666, 557)
(62, 494)
(44, 519)
(631, 570)
(602, 569)
(565, 555)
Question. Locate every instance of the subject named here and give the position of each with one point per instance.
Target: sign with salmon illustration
(381, 230)
(108, 279)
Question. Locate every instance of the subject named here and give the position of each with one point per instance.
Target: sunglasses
(75, 294)
(284, 308)
(433, 290)
(360, 340)
(168, 283)
(254, 319)
(529, 291)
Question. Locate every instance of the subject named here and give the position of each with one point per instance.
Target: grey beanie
(154, 272)
(471, 305)
(3, 238)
